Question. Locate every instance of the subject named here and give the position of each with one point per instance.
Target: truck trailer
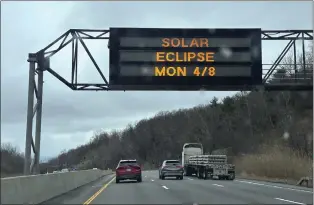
(203, 166)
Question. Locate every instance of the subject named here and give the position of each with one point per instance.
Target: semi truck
(195, 162)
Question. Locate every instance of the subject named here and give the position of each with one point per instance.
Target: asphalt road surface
(190, 190)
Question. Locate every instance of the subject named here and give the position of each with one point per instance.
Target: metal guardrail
(308, 181)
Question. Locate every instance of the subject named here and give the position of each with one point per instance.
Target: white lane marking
(152, 180)
(145, 176)
(273, 186)
(165, 187)
(218, 185)
(293, 202)
(190, 179)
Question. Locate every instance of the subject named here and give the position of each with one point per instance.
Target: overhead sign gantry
(168, 59)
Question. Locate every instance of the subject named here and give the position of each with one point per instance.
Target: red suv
(128, 169)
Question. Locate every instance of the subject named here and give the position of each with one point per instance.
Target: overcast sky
(70, 118)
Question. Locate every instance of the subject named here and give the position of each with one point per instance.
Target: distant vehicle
(65, 170)
(171, 168)
(128, 169)
(94, 168)
(205, 166)
(55, 172)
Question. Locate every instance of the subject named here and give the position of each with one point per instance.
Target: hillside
(241, 123)
(268, 134)
(264, 132)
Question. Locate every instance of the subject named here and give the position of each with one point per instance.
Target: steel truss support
(300, 79)
(34, 91)
(76, 36)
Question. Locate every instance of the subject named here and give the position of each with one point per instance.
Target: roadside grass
(279, 163)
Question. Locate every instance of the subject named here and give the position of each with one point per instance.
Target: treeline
(241, 123)
(12, 160)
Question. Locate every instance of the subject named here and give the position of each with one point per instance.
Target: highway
(190, 190)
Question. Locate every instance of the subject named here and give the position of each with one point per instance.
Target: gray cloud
(69, 118)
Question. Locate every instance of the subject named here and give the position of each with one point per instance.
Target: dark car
(171, 168)
(128, 169)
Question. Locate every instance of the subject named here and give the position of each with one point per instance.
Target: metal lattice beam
(287, 34)
(301, 75)
(76, 36)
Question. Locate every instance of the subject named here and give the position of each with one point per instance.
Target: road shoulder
(80, 194)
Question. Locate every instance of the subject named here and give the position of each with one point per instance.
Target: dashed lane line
(218, 185)
(165, 187)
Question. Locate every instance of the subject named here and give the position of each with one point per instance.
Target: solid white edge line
(274, 186)
(294, 202)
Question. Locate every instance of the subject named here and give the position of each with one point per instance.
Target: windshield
(193, 146)
(197, 102)
(172, 162)
(128, 163)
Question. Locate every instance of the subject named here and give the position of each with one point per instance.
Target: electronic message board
(176, 59)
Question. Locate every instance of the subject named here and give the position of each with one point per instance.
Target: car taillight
(119, 169)
(179, 166)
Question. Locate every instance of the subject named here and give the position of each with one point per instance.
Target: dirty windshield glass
(197, 102)
(128, 163)
(174, 162)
